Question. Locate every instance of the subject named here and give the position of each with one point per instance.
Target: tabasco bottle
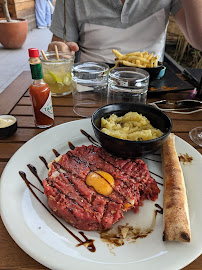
(39, 92)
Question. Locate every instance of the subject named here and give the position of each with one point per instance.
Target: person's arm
(189, 19)
(57, 27)
(66, 46)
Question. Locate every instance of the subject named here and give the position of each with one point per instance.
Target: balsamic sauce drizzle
(44, 161)
(34, 171)
(159, 161)
(158, 176)
(28, 182)
(159, 183)
(71, 146)
(90, 138)
(56, 153)
(88, 243)
(160, 211)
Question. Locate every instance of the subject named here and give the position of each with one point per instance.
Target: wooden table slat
(2, 166)
(28, 121)
(56, 101)
(22, 135)
(186, 117)
(184, 126)
(8, 149)
(58, 111)
(14, 90)
(65, 97)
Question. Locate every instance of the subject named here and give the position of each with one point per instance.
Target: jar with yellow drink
(57, 72)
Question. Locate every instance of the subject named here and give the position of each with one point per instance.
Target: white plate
(44, 239)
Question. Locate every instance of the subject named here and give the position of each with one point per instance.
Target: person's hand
(68, 47)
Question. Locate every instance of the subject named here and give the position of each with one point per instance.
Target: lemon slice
(60, 85)
(56, 78)
(67, 79)
(48, 78)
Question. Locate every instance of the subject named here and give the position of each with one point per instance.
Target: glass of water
(90, 81)
(127, 84)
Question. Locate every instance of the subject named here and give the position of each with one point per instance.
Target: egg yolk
(101, 181)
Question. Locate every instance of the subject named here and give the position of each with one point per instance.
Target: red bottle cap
(33, 52)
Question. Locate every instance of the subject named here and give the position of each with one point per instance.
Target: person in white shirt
(96, 27)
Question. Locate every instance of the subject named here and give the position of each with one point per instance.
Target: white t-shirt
(98, 26)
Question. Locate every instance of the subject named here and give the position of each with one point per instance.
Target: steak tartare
(86, 207)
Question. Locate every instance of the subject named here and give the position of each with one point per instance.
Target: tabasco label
(47, 108)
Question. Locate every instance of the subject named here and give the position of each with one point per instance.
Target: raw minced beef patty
(79, 204)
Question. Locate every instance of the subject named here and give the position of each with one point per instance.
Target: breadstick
(175, 207)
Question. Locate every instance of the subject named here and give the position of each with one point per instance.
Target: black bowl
(154, 72)
(126, 148)
(9, 130)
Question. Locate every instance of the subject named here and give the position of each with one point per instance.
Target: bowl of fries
(143, 60)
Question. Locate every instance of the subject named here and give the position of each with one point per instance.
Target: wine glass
(196, 135)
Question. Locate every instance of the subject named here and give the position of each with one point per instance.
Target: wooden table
(15, 100)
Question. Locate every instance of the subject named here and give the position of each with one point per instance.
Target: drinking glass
(127, 84)
(196, 135)
(90, 80)
(57, 73)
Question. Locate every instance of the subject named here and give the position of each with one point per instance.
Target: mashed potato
(132, 126)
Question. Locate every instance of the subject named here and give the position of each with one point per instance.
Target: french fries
(136, 59)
